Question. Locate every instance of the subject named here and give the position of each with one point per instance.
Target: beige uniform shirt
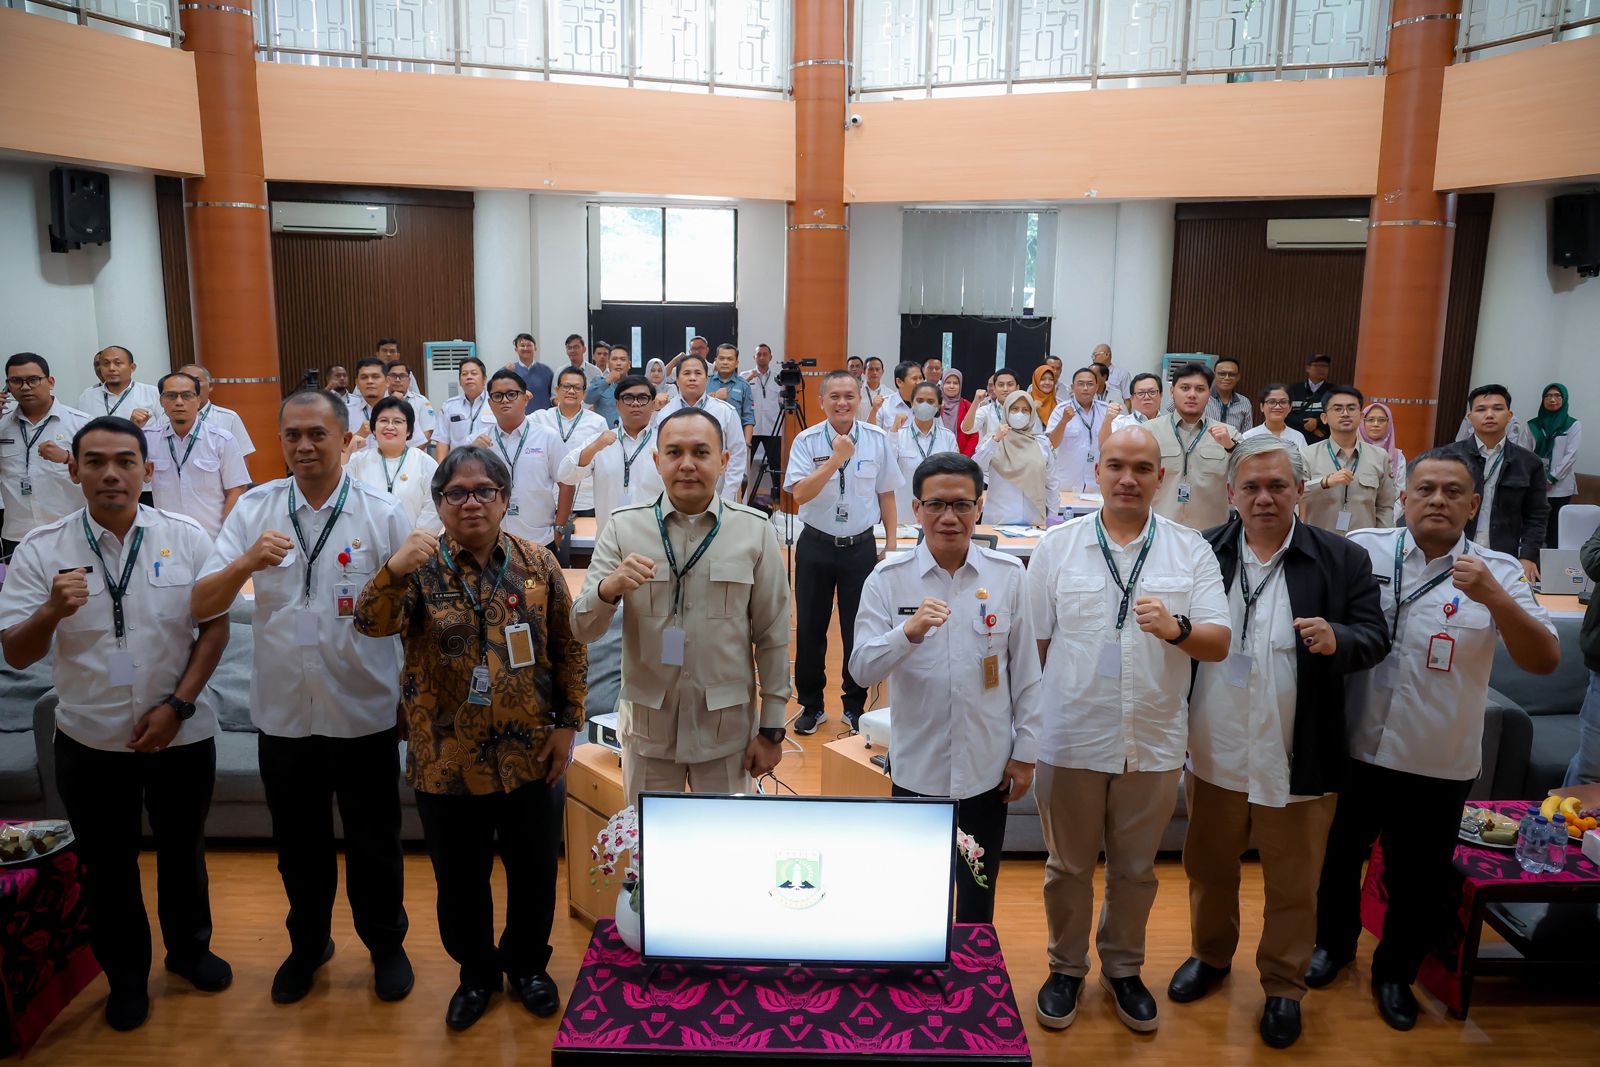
(734, 614)
(1206, 475)
(1366, 503)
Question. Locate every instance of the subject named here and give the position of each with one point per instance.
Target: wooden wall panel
(1233, 296)
(337, 295)
(170, 225)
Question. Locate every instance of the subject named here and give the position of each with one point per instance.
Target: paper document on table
(1020, 531)
(902, 530)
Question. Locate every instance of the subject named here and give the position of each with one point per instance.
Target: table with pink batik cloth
(1490, 886)
(44, 945)
(966, 1014)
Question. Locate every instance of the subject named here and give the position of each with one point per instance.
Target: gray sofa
(1542, 733)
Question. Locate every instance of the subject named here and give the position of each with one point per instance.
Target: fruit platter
(1580, 817)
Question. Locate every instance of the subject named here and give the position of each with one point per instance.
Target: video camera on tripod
(789, 376)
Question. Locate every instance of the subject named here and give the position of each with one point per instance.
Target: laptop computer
(1561, 572)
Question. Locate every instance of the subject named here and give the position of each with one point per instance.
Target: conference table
(1561, 605)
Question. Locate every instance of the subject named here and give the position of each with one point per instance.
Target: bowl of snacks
(25, 842)
(1487, 829)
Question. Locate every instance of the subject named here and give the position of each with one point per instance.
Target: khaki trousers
(1081, 812)
(652, 774)
(1291, 840)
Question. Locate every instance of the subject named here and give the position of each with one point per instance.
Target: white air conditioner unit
(441, 361)
(352, 220)
(1303, 235)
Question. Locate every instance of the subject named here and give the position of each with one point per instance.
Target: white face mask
(923, 411)
(1019, 420)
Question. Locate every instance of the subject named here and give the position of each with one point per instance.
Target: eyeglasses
(1343, 409)
(570, 387)
(30, 382)
(1275, 402)
(399, 375)
(634, 400)
(175, 397)
(392, 424)
(963, 508)
(1227, 374)
(504, 397)
(1146, 394)
(484, 494)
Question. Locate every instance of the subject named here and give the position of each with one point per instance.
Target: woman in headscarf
(656, 371)
(1020, 466)
(1556, 437)
(1377, 428)
(1043, 391)
(953, 409)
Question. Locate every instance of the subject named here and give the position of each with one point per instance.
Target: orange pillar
(1412, 228)
(816, 302)
(225, 212)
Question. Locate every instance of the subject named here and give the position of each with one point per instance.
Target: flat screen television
(825, 881)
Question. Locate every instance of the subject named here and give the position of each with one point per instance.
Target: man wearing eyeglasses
(1349, 485)
(118, 393)
(948, 625)
(215, 413)
(540, 506)
(372, 385)
(397, 376)
(574, 426)
(197, 467)
(35, 443)
(621, 463)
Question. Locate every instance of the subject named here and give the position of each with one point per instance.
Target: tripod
(789, 414)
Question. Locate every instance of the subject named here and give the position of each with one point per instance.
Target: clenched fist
(630, 574)
(418, 547)
(140, 416)
(930, 614)
(1154, 618)
(68, 593)
(843, 449)
(1219, 433)
(54, 452)
(268, 551)
(1318, 636)
(1338, 478)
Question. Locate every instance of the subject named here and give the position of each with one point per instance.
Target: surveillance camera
(856, 120)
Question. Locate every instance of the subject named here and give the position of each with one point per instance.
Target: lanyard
(105, 399)
(1488, 478)
(1085, 417)
(500, 443)
(762, 378)
(1111, 565)
(172, 449)
(205, 413)
(672, 557)
(1192, 444)
(389, 479)
(1249, 595)
(933, 435)
(474, 409)
(562, 428)
(1225, 408)
(1355, 461)
(120, 589)
(29, 442)
(469, 588)
(627, 460)
(855, 438)
(1399, 562)
(327, 530)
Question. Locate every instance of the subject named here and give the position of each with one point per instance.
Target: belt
(838, 542)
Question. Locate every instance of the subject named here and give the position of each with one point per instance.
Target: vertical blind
(976, 263)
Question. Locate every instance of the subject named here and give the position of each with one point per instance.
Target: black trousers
(1417, 817)
(1552, 528)
(7, 547)
(105, 793)
(462, 832)
(984, 818)
(771, 449)
(820, 570)
(303, 777)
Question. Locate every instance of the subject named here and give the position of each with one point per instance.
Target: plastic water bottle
(1556, 861)
(1538, 845)
(1528, 847)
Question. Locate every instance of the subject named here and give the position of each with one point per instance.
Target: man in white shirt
(843, 475)
(874, 388)
(1117, 378)
(1267, 750)
(693, 376)
(197, 468)
(371, 387)
(466, 415)
(337, 381)
(933, 369)
(948, 626)
(1074, 433)
(1194, 451)
(107, 587)
(323, 697)
(35, 445)
(620, 464)
(986, 415)
(577, 353)
(766, 398)
(215, 413)
(1349, 485)
(574, 426)
(540, 505)
(118, 393)
(1144, 406)
(893, 410)
(402, 384)
(1416, 724)
(1123, 601)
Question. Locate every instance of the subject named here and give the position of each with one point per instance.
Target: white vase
(627, 920)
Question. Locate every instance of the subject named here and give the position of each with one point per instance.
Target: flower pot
(627, 920)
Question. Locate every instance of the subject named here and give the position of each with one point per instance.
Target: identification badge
(514, 509)
(1441, 652)
(841, 512)
(1183, 492)
(119, 666)
(519, 645)
(1236, 670)
(344, 600)
(1109, 665)
(305, 628)
(991, 672)
(672, 646)
(1342, 523)
(478, 688)
(25, 487)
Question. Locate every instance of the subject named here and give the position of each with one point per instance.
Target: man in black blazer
(1267, 743)
(1510, 479)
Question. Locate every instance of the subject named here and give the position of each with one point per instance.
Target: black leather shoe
(1057, 1003)
(1325, 967)
(809, 720)
(1135, 1006)
(127, 1009)
(467, 1006)
(392, 976)
(208, 973)
(294, 977)
(1194, 979)
(1396, 1004)
(538, 993)
(1280, 1022)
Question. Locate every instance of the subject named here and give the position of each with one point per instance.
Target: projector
(874, 726)
(602, 730)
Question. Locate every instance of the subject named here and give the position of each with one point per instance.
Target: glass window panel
(750, 42)
(1331, 31)
(968, 40)
(587, 35)
(1495, 20)
(1229, 34)
(893, 34)
(506, 33)
(318, 25)
(156, 14)
(412, 29)
(672, 39)
(630, 252)
(700, 255)
(1139, 35)
(1052, 38)
(1577, 11)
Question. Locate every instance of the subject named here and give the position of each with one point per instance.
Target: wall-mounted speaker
(80, 208)
(1575, 232)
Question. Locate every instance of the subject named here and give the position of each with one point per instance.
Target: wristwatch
(1185, 628)
(183, 709)
(775, 734)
